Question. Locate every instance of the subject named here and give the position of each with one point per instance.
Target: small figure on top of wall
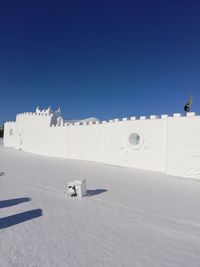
(188, 105)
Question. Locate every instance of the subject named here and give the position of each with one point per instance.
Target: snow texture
(129, 218)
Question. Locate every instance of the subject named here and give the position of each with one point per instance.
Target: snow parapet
(164, 143)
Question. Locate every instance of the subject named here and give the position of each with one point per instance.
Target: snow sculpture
(158, 143)
(77, 188)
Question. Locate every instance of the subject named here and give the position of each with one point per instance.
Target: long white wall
(10, 137)
(183, 146)
(164, 144)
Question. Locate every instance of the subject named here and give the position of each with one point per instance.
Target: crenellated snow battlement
(140, 118)
(58, 121)
(42, 112)
(10, 122)
(164, 143)
(52, 117)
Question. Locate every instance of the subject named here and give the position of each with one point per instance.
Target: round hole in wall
(134, 139)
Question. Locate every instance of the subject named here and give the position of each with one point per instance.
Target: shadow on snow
(96, 192)
(19, 218)
(12, 202)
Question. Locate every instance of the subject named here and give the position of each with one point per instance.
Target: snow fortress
(168, 144)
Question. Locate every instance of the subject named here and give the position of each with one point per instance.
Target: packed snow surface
(129, 218)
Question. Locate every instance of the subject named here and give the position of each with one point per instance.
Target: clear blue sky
(104, 59)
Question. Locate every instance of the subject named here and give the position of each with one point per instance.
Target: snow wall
(159, 143)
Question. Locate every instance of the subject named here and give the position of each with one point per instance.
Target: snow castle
(168, 144)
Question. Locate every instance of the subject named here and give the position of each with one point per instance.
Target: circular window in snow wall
(135, 140)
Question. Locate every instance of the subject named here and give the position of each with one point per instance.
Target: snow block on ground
(77, 188)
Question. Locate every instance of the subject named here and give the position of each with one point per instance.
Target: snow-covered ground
(130, 218)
